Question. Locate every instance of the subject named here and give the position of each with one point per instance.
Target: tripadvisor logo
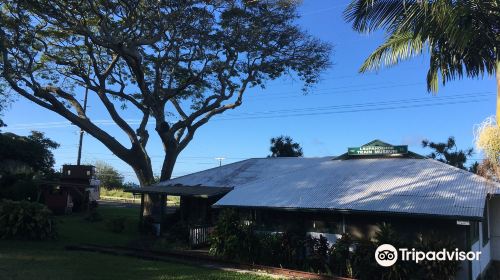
(387, 255)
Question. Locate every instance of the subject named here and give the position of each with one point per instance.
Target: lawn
(48, 259)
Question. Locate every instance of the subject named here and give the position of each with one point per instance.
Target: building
(74, 192)
(354, 192)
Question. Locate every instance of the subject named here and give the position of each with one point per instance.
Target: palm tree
(461, 37)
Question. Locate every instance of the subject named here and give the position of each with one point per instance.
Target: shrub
(317, 254)
(93, 216)
(400, 270)
(293, 248)
(434, 269)
(340, 256)
(147, 225)
(26, 220)
(270, 251)
(224, 239)
(18, 187)
(117, 225)
(364, 265)
(179, 233)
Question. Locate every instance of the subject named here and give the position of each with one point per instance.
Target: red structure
(76, 190)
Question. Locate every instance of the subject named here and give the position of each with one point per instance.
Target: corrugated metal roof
(242, 172)
(398, 185)
(401, 185)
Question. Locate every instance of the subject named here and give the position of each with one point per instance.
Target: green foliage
(293, 247)
(400, 270)
(445, 270)
(348, 257)
(93, 216)
(341, 256)
(33, 151)
(317, 252)
(178, 233)
(460, 36)
(283, 146)
(116, 224)
(224, 240)
(270, 252)
(364, 265)
(26, 220)
(110, 177)
(448, 153)
(162, 60)
(18, 187)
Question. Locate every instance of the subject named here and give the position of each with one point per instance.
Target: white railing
(199, 235)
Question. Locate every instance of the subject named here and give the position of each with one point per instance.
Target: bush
(434, 269)
(348, 257)
(270, 252)
(224, 239)
(26, 220)
(18, 187)
(178, 233)
(117, 225)
(317, 254)
(341, 257)
(93, 216)
(293, 242)
(146, 226)
(364, 265)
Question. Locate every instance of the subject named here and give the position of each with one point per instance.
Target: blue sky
(345, 109)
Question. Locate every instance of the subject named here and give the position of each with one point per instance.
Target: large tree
(284, 146)
(461, 37)
(34, 151)
(448, 153)
(176, 63)
(109, 177)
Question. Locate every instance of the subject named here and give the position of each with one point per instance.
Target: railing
(199, 235)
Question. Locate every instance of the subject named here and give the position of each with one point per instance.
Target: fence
(199, 235)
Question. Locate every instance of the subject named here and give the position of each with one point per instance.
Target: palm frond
(462, 36)
(397, 47)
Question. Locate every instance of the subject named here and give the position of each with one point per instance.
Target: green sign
(377, 150)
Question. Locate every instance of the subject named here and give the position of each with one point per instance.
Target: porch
(194, 208)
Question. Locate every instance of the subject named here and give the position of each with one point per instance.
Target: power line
(371, 104)
(376, 106)
(354, 111)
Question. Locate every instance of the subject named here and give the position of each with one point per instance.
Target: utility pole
(80, 144)
(220, 159)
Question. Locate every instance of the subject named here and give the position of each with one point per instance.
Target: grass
(49, 260)
(119, 193)
(116, 193)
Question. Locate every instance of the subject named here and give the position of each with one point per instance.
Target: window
(485, 229)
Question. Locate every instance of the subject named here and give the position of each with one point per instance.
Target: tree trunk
(168, 165)
(153, 202)
(143, 169)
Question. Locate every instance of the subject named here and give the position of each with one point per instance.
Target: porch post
(163, 201)
(141, 213)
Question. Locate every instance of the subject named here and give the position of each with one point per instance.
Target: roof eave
(355, 211)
